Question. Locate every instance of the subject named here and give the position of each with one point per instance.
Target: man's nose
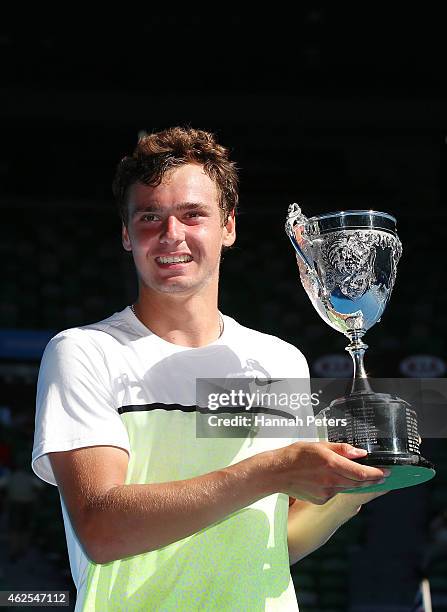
(173, 230)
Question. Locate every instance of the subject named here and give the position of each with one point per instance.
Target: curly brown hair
(158, 153)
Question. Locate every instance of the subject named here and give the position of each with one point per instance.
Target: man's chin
(178, 284)
(175, 286)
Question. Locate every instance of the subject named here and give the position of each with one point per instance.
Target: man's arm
(114, 520)
(310, 526)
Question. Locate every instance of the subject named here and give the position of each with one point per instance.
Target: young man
(156, 517)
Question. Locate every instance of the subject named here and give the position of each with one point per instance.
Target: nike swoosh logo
(266, 381)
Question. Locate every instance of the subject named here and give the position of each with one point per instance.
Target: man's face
(175, 231)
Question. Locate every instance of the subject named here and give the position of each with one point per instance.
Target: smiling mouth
(171, 259)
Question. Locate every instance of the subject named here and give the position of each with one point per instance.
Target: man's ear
(229, 230)
(125, 238)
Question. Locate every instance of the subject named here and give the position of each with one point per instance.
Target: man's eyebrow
(156, 208)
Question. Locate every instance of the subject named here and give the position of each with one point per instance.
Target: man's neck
(192, 321)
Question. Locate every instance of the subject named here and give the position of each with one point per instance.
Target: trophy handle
(296, 220)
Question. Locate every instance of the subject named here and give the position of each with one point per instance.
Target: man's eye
(149, 217)
(193, 215)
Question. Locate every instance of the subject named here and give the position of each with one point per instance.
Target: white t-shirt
(116, 383)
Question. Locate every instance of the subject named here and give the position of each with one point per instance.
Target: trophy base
(386, 427)
(406, 471)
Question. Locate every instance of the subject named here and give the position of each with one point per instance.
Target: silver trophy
(347, 262)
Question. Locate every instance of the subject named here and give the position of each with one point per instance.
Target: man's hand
(316, 471)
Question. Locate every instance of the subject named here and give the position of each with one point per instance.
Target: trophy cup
(347, 263)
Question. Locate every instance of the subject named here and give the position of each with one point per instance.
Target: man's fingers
(355, 471)
(344, 466)
(347, 450)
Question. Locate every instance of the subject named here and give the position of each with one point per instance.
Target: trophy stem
(357, 350)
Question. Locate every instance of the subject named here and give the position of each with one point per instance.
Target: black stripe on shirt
(203, 410)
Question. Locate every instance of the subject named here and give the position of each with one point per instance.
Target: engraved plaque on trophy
(347, 262)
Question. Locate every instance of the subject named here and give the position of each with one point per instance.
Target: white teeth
(179, 259)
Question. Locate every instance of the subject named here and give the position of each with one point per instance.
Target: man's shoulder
(263, 339)
(98, 333)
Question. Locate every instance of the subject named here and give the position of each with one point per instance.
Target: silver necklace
(221, 321)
